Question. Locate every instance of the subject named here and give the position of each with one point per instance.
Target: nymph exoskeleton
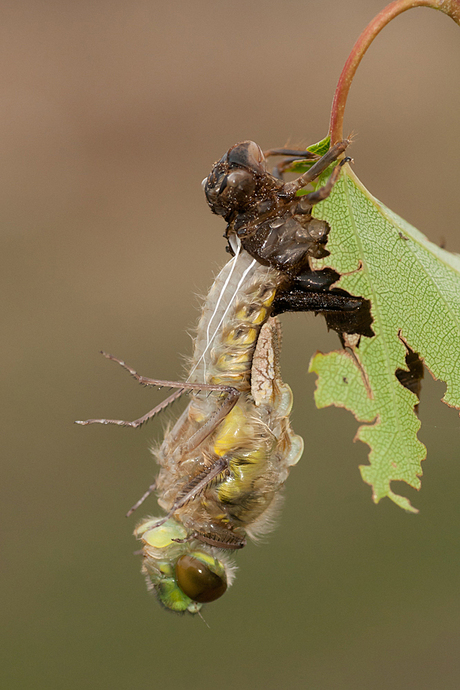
(224, 462)
(276, 227)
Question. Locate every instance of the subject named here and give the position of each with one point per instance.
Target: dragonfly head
(183, 575)
(232, 183)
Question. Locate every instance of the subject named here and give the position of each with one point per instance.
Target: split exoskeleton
(276, 227)
(224, 462)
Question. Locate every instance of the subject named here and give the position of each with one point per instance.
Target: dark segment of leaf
(412, 379)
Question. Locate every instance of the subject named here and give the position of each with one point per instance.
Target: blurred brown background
(111, 115)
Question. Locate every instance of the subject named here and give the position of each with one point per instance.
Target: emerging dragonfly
(224, 462)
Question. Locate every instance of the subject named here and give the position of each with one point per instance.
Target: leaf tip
(403, 503)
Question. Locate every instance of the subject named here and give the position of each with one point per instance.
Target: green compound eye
(198, 581)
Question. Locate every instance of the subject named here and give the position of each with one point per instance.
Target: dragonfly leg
(138, 503)
(232, 397)
(224, 540)
(137, 422)
(194, 487)
(292, 155)
(290, 188)
(192, 443)
(323, 192)
(229, 540)
(215, 419)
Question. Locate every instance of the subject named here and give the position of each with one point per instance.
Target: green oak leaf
(414, 290)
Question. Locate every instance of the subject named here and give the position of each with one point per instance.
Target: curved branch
(449, 7)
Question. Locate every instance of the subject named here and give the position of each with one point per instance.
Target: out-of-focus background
(111, 115)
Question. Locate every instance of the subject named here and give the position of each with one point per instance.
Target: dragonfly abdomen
(237, 306)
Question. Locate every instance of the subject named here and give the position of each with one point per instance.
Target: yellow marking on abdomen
(251, 313)
(230, 431)
(268, 301)
(236, 361)
(231, 379)
(240, 336)
(243, 471)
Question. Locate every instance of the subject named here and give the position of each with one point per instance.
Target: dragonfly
(224, 462)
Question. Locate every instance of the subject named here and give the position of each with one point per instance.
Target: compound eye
(247, 155)
(255, 155)
(198, 581)
(240, 183)
(212, 188)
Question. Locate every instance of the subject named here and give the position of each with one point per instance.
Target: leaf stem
(449, 7)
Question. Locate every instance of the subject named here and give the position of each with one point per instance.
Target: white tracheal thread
(222, 292)
(226, 311)
(209, 341)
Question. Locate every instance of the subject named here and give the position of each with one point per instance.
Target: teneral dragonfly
(224, 462)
